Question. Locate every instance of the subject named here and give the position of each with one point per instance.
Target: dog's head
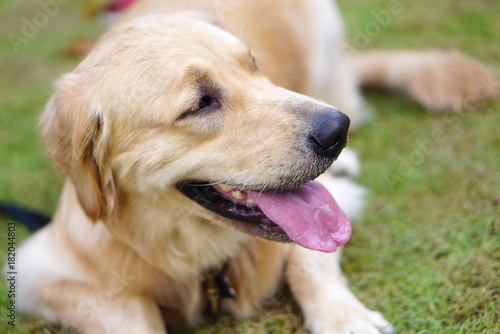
(173, 103)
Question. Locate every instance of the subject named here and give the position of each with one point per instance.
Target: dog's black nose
(329, 133)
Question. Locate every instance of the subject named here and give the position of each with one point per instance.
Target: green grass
(426, 254)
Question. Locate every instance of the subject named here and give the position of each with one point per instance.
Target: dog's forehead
(164, 46)
(178, 35)
(146, 64)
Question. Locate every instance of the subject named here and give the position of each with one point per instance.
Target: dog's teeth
(250, 201)
(224, 187)
(237, 194)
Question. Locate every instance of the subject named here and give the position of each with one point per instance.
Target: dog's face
(173, 103)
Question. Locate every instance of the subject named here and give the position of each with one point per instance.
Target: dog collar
(217, 285)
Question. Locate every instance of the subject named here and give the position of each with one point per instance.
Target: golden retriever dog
(190, 137)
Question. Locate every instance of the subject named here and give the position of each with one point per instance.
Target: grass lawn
(426, 254)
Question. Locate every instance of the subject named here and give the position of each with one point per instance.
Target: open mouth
(307, 215)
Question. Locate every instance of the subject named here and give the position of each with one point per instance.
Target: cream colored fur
(125, 250)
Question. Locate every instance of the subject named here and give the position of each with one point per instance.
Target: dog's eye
(206, 101)
(205, 104)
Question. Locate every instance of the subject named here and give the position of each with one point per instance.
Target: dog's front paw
(346, 315)
(368, 322)
(449, 81)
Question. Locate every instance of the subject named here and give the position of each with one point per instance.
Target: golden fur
(130, 248)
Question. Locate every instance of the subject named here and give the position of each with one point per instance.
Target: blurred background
(426, 254)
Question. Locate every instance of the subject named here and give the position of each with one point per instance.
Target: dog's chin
(234, 208)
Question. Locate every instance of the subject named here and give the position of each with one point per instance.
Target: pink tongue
(309, 216)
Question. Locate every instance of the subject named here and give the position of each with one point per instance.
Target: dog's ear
(76, 138)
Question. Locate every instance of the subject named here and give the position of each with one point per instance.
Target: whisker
(251, 176)
(221, 181)
(232, 177)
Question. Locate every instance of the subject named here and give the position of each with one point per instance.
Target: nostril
(327, 139)
(329, 134)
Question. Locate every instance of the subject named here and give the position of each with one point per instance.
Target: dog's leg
(91, 310)
(328, 306)
(439, 80)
